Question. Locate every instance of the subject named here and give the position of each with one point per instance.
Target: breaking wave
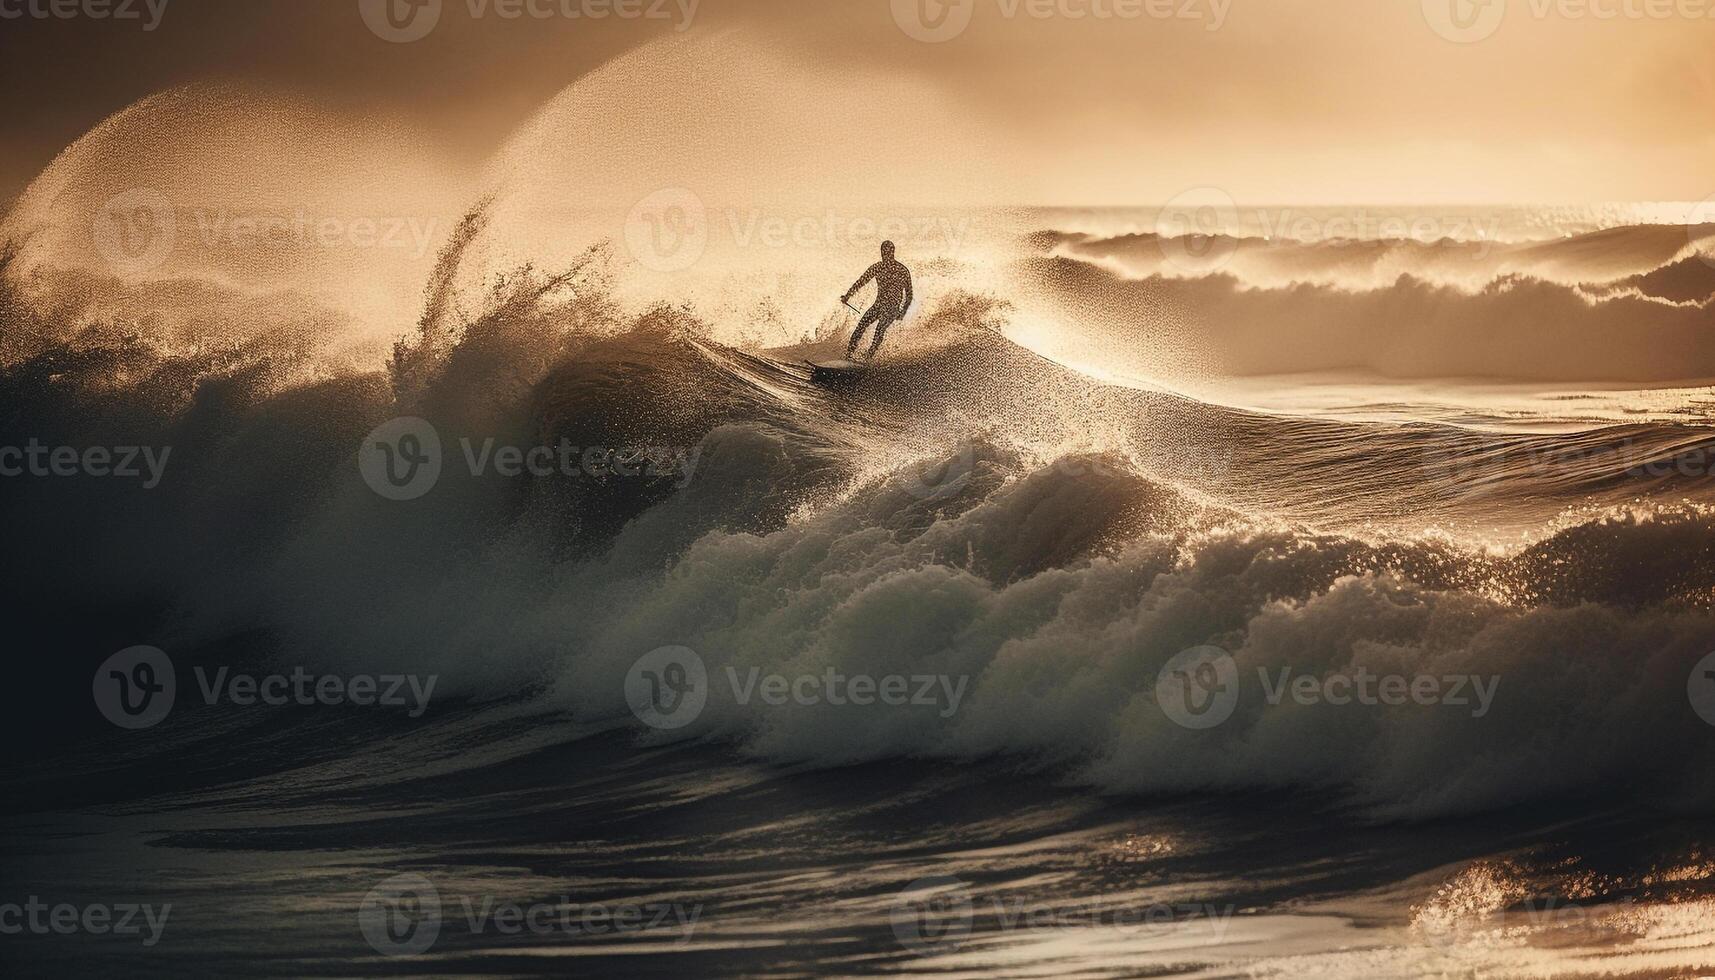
(973, 510)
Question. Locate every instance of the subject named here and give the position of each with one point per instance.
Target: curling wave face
(973, 510)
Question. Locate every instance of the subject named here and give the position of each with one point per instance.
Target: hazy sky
(1280, 100)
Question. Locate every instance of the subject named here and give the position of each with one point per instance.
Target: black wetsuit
(892, 299)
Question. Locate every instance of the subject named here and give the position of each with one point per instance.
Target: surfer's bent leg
(881, 325)
(869, 317)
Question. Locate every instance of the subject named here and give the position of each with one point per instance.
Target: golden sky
(1097, 101)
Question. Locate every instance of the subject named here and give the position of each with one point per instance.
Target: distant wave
(1513, 327)
(1593, 257)
(1689, 280)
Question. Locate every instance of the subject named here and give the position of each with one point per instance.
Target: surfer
(892, 299)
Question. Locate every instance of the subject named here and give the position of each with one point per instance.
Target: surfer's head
(887, 250)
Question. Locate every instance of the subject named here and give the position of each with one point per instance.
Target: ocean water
(1196, 590)
(1042, 541)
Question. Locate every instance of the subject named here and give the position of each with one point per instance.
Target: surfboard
(835, 372)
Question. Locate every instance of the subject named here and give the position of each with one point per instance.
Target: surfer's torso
(892, 283)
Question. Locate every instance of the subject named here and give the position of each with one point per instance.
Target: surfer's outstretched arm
(905, 304)
(863, 280)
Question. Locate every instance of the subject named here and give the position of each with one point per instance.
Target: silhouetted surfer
(892, 299)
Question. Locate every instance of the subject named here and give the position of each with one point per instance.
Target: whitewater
(1083, 455)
